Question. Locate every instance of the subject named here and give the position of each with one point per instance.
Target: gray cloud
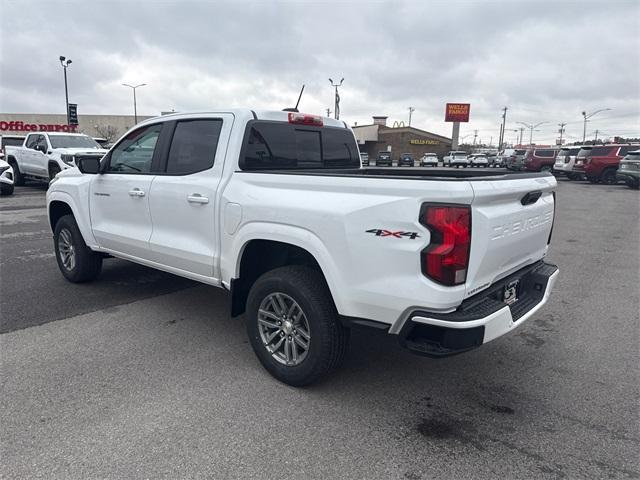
(546, 61)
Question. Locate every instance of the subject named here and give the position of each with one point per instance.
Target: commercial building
(110, 127)
(379, 137)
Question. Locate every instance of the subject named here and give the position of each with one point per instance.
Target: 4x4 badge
(380, 232)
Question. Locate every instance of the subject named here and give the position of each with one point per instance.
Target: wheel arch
(60, 204)
(260, 254)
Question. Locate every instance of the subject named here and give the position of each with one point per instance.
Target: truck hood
(74, 151)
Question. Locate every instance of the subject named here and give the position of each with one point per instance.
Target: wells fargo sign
(20, 126)
(423, 141)
(457, 112)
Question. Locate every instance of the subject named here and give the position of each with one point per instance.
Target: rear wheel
(77, 262)
(608, 177)
(18, 179)
(293, 325)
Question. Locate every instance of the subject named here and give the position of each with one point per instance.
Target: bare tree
(108, 132)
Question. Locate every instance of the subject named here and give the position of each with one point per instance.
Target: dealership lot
(144, 374)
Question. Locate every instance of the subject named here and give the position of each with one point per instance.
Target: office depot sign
(19, 126)
(457, 112)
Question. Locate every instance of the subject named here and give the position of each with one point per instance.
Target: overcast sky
(545, 61)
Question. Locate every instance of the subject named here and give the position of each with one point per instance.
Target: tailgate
(510, 226)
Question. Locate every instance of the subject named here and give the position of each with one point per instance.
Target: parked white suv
(564, 162)
(274, 207)
(456, 159)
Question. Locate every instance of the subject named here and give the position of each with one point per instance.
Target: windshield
(72, 141)
(12, 142)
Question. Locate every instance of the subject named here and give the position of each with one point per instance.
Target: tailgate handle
(531, 197)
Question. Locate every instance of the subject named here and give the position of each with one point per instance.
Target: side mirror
(41, 148)
(89, 165)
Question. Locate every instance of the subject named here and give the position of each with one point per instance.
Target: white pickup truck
(275, 208)
(44, 154)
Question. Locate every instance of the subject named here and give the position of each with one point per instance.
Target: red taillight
(446, 259)
(305, 119)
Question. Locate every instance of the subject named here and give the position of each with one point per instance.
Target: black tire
(545, 168)
(328, 338)
(633, 184)
(54, 169)
(593, 180)
(18, 179)
(6, 189)
(87, 263)
(608, 177)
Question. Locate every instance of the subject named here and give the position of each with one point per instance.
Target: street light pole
(135, 107)
(587, 116)
(65, 63)
(531, 128)
(411, 110)
(336, 108)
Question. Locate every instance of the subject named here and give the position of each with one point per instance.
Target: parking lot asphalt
(142, 374)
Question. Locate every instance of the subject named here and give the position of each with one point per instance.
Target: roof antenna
(295, 109)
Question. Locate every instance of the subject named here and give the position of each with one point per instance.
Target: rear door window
(626, 149)
(278, 145)
(544, 153)
(193, 147)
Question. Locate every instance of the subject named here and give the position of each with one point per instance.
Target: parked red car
(540, 159)
(599, 162)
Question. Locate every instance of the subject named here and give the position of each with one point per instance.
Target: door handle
(136, 192)
(197, 198)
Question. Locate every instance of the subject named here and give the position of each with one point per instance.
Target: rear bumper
(628, 175)
(481, 318)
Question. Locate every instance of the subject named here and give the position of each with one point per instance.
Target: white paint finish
(369, 276)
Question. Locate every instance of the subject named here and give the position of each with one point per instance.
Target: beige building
(110, 127)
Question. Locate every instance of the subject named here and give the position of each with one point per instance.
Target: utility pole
(521, 132)
(475, 135)
(65, 63)
(411, 110)
(561, 125)
(336, 108)
(596, 137)
(587, 116)
(328, 112)
(504, 122)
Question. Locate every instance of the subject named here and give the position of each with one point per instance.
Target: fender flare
(83, 221)
(284, 233)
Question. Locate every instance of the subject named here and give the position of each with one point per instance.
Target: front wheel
(77, 262)
(6, 188)
(18, 179)
(293, 325)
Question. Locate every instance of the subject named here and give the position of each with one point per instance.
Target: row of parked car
(606, 164)
(460, 159)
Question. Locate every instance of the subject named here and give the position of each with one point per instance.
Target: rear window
(277, 145)
(568, 151)
(544, 153)
(519, 151)
(627, 149)
(12, 142)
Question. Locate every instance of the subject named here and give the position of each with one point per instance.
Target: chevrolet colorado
(276, 208)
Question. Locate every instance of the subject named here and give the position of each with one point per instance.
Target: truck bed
(408, 173)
